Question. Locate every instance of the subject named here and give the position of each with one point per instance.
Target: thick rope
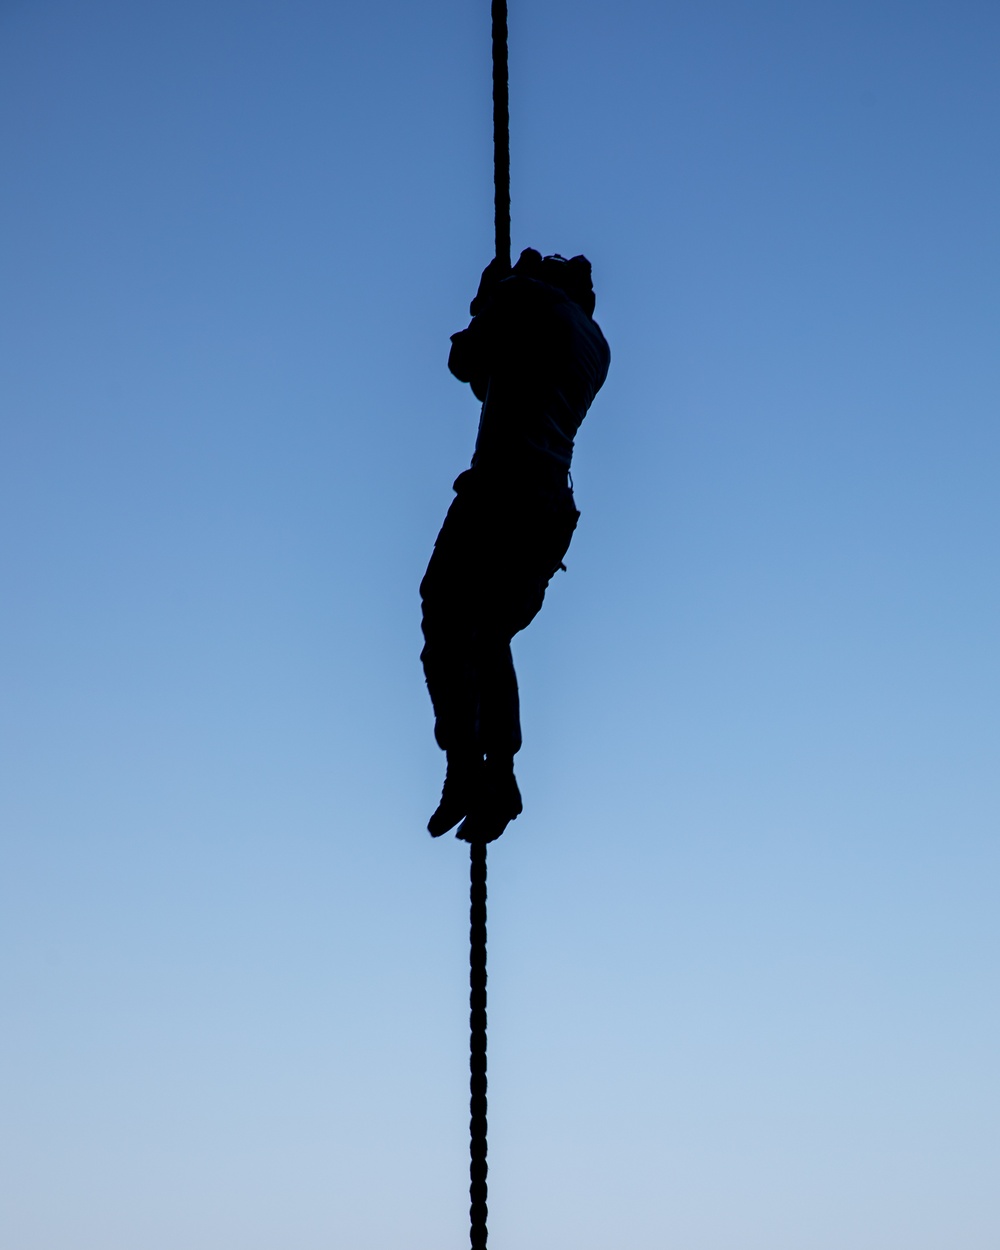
(501, 133)
(478, 1166)
(477, 1047)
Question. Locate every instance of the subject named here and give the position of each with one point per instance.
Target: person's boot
(461, 784)
(495, 804)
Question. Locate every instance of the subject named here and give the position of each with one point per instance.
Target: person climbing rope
(535, 358)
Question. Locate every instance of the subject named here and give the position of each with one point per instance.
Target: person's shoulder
(582, 319)
(599, 334)
(590, 338)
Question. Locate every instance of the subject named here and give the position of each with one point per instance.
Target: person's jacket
(536, 359)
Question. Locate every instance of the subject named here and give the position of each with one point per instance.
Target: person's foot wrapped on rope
(496, 802)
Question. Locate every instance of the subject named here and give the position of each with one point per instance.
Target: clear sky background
(744, 937)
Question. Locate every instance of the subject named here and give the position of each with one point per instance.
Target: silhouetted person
(536, 358)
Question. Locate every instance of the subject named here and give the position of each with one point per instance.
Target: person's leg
(496, 800)
(451, 680)
(451, 596)
(499, 725)
(528, 548)
(451, 664)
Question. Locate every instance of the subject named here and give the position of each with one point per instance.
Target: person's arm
(469, 359)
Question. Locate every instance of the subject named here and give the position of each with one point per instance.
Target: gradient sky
(744, 937)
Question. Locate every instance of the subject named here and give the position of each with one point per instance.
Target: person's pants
(486, 581)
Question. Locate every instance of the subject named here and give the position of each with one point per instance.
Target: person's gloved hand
(529, 263)
(493, 275)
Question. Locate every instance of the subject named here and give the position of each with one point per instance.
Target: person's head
(572, 276)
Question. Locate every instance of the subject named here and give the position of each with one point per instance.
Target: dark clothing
(536, 359)
(485, 582)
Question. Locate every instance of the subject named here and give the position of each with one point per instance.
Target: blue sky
(744, 937)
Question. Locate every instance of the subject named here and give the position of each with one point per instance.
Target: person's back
(536, 358)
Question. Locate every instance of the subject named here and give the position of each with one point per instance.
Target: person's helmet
(572, 276)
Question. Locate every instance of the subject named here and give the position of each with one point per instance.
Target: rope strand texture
(477, 1047)
(501, 133)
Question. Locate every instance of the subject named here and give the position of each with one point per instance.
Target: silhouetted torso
(536, 360)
